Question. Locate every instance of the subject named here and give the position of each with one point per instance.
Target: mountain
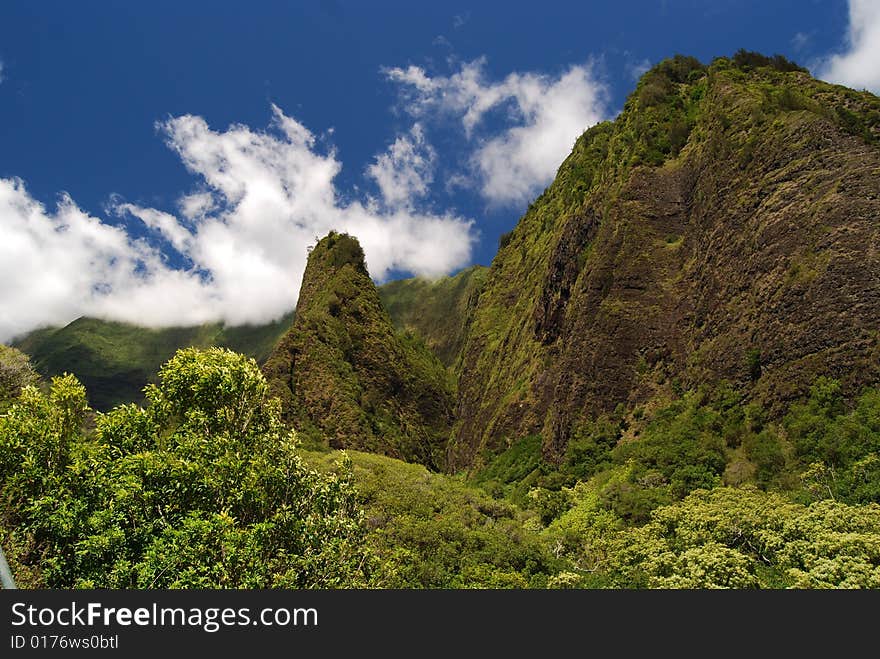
(345, 375)
(116, 360)
(722, 228)
(669, 377)
(437, 310)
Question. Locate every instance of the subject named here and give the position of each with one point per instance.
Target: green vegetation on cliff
(438, 311)
(708, 492)
(824, 447)
(716, 230)
(346, 377)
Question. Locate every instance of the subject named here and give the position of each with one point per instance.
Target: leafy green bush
(681, 68)
(202, 488)
(680, 450)
(590, 448)
(746, 60)
(765, 450)
(841, 446)
(16, 373)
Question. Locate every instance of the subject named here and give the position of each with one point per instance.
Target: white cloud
(638, 69)
(196, 205)
(545, 115)
(406, 171)
(412, 75)
(859, 65)
(163, 223)
(57, 265)
(800, 40)
(265, 195)
(1, 71)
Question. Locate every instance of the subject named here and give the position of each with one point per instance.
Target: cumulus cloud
(196, 205)
(263, 197)
(859, 65)
(405, 172)
(164, 224)
(56, 265)
(544, 115)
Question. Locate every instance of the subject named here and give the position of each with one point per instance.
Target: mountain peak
(336, 250)
(344, 374)
(721, 228)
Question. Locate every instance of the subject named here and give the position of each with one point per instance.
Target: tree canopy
(201, 488)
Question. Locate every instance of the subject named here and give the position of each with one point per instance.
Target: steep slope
(723, 227)
(343, 374)
(438, 310)
(116, 360)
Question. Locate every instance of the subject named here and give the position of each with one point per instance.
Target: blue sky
(168, 164)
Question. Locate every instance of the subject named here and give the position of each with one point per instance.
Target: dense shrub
(16, 373)
(202, 488)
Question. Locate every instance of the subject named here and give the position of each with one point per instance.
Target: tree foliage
(16, 373)
(724, 538)
(201, 488)
(433, 531)
(747, 59)
(839, 448)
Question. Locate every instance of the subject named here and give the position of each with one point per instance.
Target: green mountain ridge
(718, 230)
(667, 378)
(116, 360)
(715, 231)
(437, 310)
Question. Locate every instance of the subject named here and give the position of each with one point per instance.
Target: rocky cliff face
(724, 227)
(343, 374)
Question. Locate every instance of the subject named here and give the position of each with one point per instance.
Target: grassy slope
(435, 531)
